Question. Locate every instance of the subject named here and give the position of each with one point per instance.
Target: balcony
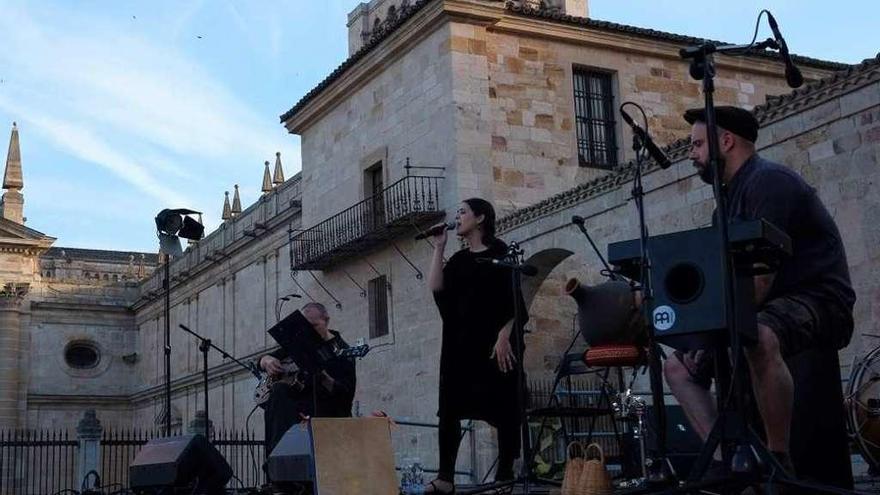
(400, 208)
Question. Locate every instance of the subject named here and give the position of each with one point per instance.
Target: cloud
(139, 108)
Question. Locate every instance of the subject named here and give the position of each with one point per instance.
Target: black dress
(475, 304)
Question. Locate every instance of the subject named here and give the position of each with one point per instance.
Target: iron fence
(46, 462)
(37, 462)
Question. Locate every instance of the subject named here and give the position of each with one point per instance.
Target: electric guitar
(297, 378)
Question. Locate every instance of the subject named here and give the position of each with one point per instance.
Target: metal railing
(410, 200)
(37, 462)
(46, 462)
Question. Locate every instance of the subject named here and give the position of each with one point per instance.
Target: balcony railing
(411, 201)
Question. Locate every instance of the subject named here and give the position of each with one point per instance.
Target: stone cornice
(549, 15)
(122, 309)
(627, 42)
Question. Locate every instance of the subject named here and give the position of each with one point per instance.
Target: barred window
(594, 119)
(378, 296)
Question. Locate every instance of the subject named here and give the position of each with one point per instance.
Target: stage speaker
(187, 461)
(335, 456)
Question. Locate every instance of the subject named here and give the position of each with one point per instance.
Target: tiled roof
(100, 255)
(407, 13)
(777, 107)
(818, 91)
(549, 15)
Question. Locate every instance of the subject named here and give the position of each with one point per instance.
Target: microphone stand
(660, 471)
(513, 261)
(204, 346)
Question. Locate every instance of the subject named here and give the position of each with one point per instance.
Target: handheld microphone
(652, 148)
(436, 230)
(793, 75)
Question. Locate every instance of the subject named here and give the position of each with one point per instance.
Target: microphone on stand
(793, 75)
(435, 230)
(652, 148)
(290, 296)
(527, 270)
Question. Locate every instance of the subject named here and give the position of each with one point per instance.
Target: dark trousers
(283, 410)
(450, 439)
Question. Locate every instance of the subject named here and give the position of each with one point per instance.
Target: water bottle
(418, 479)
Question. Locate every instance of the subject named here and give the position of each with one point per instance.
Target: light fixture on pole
(171, 225)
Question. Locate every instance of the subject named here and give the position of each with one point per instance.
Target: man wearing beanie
(806, 306)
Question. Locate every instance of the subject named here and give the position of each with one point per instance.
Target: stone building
(440, 100)
(68, 332)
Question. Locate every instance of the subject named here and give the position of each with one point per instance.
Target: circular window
(82, 355)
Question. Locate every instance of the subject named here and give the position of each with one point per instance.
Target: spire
(12, 178)
(267, 179)
(227, 211)
(236, 202)
(278, 178)
(13, 201)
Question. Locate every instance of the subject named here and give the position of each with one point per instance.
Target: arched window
(392, 13)
(376, 23)
(106, 277)
(115, 277)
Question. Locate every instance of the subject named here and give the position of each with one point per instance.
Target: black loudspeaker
(293, 459)
(187, 461)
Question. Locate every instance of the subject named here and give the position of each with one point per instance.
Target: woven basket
(594, 478)
(573, 469)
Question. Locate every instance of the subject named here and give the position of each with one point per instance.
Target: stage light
(176, 223)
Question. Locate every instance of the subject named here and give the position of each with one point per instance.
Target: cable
(757, 27)
(247, 428)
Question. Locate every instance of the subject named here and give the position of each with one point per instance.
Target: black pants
(283, 410)
(450, 438)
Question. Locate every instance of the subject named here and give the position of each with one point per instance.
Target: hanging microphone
(436, 230)
(652, 148)
(793, 75)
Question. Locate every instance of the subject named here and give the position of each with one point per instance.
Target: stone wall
(404, 111)
(833, 142)
(515, 107)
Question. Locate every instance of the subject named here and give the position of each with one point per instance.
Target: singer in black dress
(477, 362)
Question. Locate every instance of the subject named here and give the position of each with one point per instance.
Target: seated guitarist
(329, 394)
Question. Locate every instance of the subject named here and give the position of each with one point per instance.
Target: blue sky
(125, 108)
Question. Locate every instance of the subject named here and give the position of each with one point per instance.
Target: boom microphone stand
(204, 346)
